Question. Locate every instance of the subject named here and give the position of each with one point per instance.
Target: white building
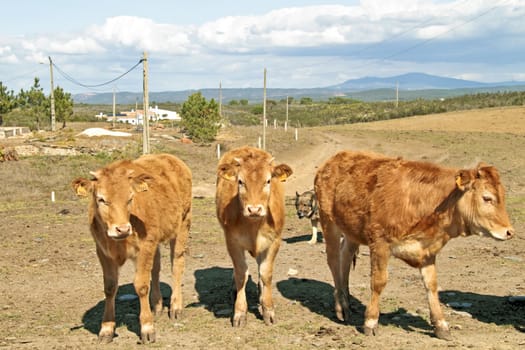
(136, 117)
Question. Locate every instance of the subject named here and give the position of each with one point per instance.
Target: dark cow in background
(251, 211)
(306, 207)
(403, 208)
(134, 206)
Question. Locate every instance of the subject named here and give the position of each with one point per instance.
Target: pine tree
(200, 118)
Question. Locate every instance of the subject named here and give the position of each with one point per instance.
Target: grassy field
(51, 284)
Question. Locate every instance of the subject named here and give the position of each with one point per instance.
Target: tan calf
(251, 211)
(406, 209)
(134, 206)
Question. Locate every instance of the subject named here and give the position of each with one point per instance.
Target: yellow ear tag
(81, 191)
(283, 177)
(458, 183)
(142, 187)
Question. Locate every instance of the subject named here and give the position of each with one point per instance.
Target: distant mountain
(415, 81)
(413, 85)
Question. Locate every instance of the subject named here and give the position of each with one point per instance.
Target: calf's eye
(487, 199)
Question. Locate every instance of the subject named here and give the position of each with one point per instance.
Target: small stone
(292, 272)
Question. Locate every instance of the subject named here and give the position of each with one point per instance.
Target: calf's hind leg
(332, 238)
(178, 249)
(156, 296)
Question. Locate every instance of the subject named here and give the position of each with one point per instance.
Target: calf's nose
(255, 210)
(123, 230)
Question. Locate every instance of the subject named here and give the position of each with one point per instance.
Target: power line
(76, 82)
(407, 31)
(440, 34)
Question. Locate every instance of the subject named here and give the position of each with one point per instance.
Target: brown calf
(403, 208)
(251, 211)
(135, 205)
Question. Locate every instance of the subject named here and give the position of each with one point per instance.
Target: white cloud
(300, 46)
(7, 55)
(143, 34)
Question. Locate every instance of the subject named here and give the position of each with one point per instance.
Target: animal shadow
(487, 308)
(127, 309)
(304, 238)
(215, 290)
(318, 297)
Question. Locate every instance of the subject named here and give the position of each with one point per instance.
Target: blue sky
(302, 43)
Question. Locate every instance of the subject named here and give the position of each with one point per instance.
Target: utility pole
(286, 122)
(397, 94)
(114, 115)
(220, 99)
(145, 119)
(264, 113)
(52, 96)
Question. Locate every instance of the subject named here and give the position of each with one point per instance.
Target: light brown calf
(403, 208)
(251, 211)
(135, 205)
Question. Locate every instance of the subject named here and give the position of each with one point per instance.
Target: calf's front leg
(142, 288)
(110, 275)
(240, 275)
(379, 255)
(265, 262)
(441, 329)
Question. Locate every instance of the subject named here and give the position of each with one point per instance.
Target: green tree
(200, 118)
(7, 101)
(306, 101)
(63, 106)
(35, 106)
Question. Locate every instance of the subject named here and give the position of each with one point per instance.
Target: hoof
(107, 332)
(371, 328)
(268, 316)
(370, 331)
(443, 333)
(105, 338)
(239, 319)
(147, 334)
(175, 315)
(157, 311)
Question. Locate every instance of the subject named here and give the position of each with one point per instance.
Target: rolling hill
(410, 85)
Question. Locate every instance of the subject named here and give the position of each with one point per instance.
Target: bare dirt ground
(51, 294)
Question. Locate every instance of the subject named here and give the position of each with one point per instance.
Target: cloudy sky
(302, 43)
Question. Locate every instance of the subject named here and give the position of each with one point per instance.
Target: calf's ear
(282, 172)
(464, 179)
(141, 182)
(82, 186)
(227, 172)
